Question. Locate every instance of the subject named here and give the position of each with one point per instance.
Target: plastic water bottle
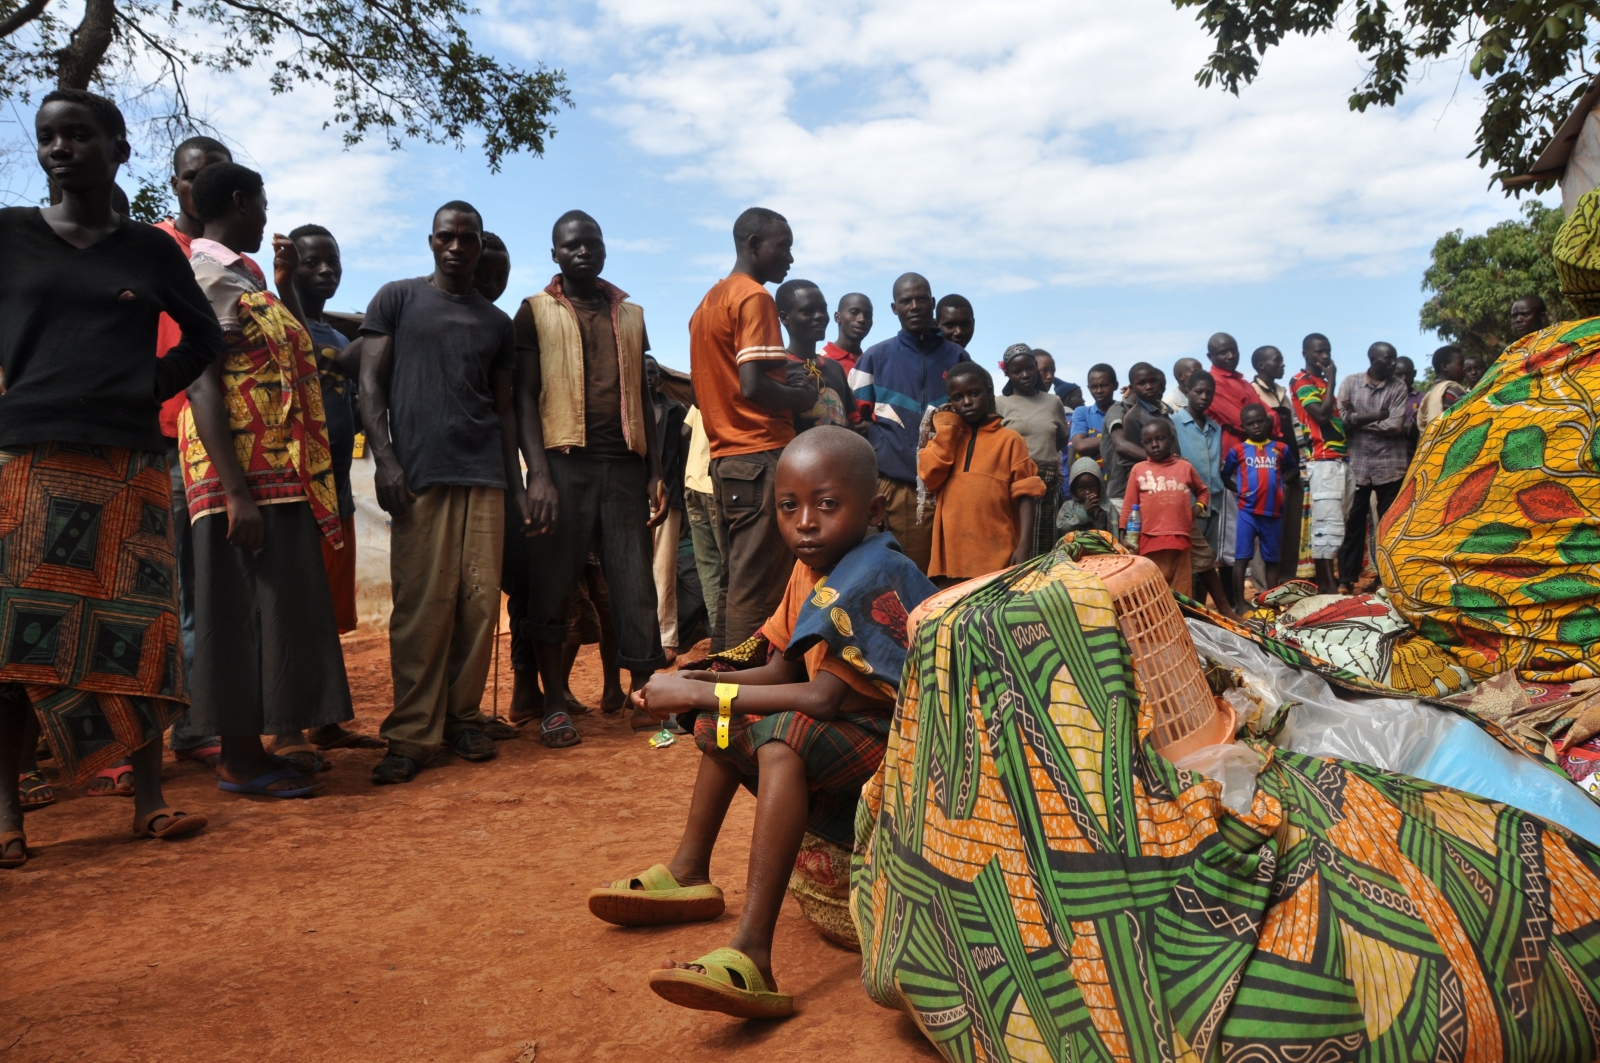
(1132, 532)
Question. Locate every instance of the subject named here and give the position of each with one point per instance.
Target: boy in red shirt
(1169, 494)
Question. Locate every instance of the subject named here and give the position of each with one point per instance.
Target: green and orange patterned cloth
(1033, 882)
(1492, 548)
(88, 598)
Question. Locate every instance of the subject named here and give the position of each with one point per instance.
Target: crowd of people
(177, 528)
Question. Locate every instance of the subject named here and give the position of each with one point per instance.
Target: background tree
(1534, 58)
(400, 69)
(1475, 279)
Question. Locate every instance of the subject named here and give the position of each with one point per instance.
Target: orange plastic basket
(1164, 657)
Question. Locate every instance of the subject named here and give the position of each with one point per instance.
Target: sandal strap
(164, 810)
(650, 880)
(718, 962)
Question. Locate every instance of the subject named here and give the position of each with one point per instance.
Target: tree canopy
(1534, 58)
(1475, 279)
(400, 69)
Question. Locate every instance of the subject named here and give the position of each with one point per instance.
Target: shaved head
(838, 452)
(906, 280)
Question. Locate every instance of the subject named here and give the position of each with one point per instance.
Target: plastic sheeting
(1404, 736)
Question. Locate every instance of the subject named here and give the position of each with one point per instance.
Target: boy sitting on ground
(811, 725)
(988, 486)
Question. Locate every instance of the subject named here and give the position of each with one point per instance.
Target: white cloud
(1064, 141)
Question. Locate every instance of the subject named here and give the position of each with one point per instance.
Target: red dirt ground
(440, 920)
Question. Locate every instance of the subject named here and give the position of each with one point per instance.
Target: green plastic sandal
(652, 898)
(730, 984)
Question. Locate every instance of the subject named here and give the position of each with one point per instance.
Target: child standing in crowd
(803, 310)
(1200, 444)
(1040, 419)
(987, 484)
(1082, 511)
(260, 487)
(1473, 367)
(954, 315)
(1169, 495)
(1088, 420)
(1121, 449)
(1257, 468)
(804, 732)
(1450, 369)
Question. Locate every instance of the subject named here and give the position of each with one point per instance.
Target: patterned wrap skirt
(88, 598)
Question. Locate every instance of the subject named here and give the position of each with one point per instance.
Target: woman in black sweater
(88, 614)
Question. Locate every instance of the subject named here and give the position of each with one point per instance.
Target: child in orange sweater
(988, 485)
(1169, 494)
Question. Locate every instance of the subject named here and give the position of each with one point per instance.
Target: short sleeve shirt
(779, 629)
(737, 322)
(447, 349)
(1316, 443)
(1034, 418)
(338, 409)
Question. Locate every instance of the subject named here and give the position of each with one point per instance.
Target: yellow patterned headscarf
(1577, 255)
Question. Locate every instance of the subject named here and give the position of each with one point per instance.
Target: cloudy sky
(1056, 163)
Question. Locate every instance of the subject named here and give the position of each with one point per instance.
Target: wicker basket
(1186, 713)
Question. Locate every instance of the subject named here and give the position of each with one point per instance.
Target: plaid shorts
(840, 755)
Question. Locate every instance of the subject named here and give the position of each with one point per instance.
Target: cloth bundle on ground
(1491, 547)
(1033, 881)
(1363, 633)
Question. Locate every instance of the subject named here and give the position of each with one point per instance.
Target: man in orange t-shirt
(737, 359)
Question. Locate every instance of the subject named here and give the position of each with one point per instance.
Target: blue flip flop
(258, 787)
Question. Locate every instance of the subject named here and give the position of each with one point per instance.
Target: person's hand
(543, 505)
(1020, 554)
(523, 511)
(394, 495)
(702, 675)
(285, 258)
(246, 530)
(670, 692)
(657, 492)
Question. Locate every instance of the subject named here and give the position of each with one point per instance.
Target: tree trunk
(78, 61)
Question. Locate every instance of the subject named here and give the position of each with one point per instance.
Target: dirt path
(441, 920)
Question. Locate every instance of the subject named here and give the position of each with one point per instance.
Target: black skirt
(267, 659)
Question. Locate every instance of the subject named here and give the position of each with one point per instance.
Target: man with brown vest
(594, 476)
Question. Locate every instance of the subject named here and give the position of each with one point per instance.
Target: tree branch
(22, 16)
(77, 62)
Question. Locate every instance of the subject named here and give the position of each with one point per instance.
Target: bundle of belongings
(1102, 831)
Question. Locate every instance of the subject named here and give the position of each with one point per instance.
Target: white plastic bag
(1233, 764)
(1403, 735)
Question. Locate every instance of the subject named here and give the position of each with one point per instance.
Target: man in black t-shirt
(436, 398)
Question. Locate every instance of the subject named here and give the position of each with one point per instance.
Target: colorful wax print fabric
(273, 393)
(88, 598)
(1033, 882)
(1362, 633)
(1492, 548)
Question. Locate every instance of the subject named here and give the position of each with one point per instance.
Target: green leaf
(1477, 602)
(1563, 588)
(1465, 450)
(1494, 539)
(1581, 628)
(1522, 449)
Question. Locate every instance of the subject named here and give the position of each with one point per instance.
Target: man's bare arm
(377, 361)
(757, 387)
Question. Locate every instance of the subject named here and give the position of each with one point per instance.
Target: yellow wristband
(726, 692)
